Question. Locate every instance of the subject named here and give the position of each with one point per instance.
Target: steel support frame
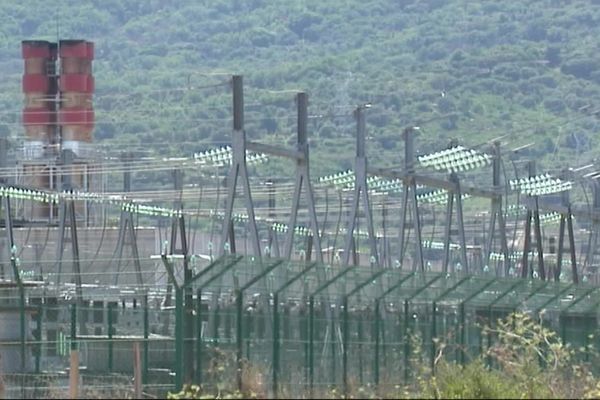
(410, 196)
(303, 178)
(361, 191)
(497, 215)
(566, 219)
(239, 170)
(535, 214)
(178, 231)
(127, 234)
(455, 195)
(8, 228)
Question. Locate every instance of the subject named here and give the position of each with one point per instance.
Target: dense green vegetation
(475, 70)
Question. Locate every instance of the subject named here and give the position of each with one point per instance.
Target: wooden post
(74, 375)
(137, 370)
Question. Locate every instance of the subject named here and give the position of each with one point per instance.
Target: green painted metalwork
(566, 309)
(407, 301)
(378, 319)
(38, 337)
(211, 266)
(433, 318)
(74, 326)
(239, 307)
(369, 280)
(324, 286)
(110, 337)
(560, 293)
(219, 274)
(146, 341)
(178, 338)
(325, 326)
(276, 340)
(462, 313)
(198, 337)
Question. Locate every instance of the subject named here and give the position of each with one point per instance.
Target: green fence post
(110, 337)
(463, 331)
(360, 355)
(333, 353)
(276, 323)
(17, 276)
(146, 343)
(311, 343)
(178, 339)
(433, 336)
(490, 307)
(199, 343)
(434, 314)
(22, 328)
(344, 347)
(275, 343)
(489, 336)
(377, 327)
(239, 301)
(406, 342)
(38, 337)
(74, 326)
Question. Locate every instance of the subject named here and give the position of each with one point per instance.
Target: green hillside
(474, 70)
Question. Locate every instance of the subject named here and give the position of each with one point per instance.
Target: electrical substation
(315, 281)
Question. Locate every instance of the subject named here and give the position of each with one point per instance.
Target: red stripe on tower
(76, 115)
(39, 89)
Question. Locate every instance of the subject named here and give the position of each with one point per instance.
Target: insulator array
(455, 159)
(540, 185)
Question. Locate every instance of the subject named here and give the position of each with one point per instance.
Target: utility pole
(361, 190)
(538, 234)
(67, 213)
(239, 169)
(497, 214)
(454, 195)
(410, 195)
(303, 178)
(127, 231)
(568, 221)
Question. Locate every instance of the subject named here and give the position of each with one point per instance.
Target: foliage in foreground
(527, 361)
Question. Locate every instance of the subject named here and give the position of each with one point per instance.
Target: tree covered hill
(472, 70)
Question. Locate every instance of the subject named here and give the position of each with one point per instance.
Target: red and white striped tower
(76, 113)
(39, 119)
(39, 88)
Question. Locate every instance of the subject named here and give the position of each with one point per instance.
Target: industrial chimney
(58, 115)
(39, 88)
(76, 114)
